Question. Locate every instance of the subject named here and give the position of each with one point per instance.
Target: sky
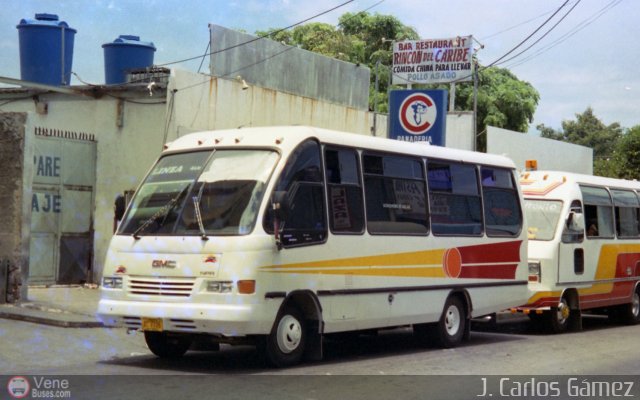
(590, 59)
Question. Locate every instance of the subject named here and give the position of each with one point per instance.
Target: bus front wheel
(449, 331)
(285, 345)
(167, 345)
(559, 317)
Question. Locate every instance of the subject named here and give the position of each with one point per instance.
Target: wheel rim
(635, 304)
(562, 314)
(289, 334)
(452, 320)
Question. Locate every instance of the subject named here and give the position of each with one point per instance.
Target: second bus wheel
(286, 343)
(559, 317)
(167, 345)
(449, 331)
(630, 313)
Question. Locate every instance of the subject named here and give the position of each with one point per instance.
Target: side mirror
(280, 204)
(119, 207)
(575, 222)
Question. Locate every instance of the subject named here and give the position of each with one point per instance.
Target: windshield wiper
(196, 210)
(164, 210)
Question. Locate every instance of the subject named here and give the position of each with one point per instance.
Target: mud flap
(467, 330)
(314, 351)
(575, 321)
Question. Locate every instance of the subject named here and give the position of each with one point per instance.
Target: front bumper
(217, 319)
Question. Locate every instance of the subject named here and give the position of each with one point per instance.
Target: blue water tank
(46, 50)
(122, 55)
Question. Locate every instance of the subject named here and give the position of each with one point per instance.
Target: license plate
(152, 324)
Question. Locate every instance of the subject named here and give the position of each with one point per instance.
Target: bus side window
(626, 210)
(302, 183)
(346, 208)
(573, 231)
(395, 195)
(502, 213)
(454, 199)
(598, 211)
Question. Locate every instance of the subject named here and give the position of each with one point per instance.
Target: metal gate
(61, 246)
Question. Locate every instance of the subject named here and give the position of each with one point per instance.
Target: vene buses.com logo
(418, 113)
(18, 387)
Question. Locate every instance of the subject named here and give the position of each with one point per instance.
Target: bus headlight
(112, 282)
(534, 271)
(220, 286)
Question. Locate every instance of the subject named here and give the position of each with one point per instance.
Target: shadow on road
(345, 348)
(337, 349)
(519, 324)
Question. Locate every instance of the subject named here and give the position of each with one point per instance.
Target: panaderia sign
(432, 60)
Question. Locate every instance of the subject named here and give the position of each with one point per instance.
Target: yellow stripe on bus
(417, 272)
(414, 258)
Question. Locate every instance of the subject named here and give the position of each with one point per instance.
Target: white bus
(584, 248)
(277, 236)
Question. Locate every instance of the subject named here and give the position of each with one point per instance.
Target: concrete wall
(460, 130)
(288, 69)
(200, 102)
(14, 243)
(124, 154)
(551, 154)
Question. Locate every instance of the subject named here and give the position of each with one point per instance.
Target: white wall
(460, 130)
(550, 154)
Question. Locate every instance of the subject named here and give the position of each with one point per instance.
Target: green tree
(626, 159)
(587, 130)
(377, 32)
(503, 101)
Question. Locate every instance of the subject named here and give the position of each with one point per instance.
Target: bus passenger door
(571, 253)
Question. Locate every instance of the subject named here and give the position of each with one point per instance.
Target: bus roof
(557, 184)
(286, 138)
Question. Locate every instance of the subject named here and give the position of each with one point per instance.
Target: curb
(50, 321)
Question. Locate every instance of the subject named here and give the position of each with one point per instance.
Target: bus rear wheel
(167, 345)
(286, 344)
(630, 313)
(449, 331)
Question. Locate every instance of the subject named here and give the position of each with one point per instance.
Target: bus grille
(160, 287)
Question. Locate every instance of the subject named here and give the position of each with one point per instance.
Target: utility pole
(375, 101)
(475, 105)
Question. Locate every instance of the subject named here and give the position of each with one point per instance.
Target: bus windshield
(542, 218)
(217, 193)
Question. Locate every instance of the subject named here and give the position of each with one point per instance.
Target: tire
(559, 317)
(167, 345)
(449, 331)
(629, 314)
(286, 344)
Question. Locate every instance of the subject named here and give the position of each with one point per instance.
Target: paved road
(510, 349)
